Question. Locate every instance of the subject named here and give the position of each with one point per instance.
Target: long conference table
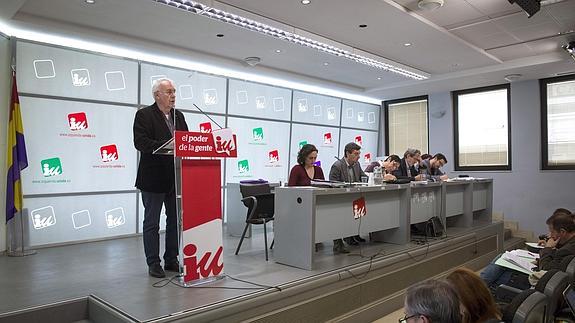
(305, 216)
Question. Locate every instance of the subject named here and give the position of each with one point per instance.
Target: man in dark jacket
(406, 168)
(153, 126)
(561, 243)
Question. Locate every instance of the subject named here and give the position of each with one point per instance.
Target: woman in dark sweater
(302, 173)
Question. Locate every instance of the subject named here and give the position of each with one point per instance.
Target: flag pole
(14, 252)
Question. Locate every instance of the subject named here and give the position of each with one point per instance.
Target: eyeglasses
(168, 92)
(405, 318)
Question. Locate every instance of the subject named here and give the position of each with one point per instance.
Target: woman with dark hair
(478, 303)
(302, 173)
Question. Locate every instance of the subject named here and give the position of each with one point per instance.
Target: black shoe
(338, 247)
(351, 241)
(156, 270)
(358, 239)
(173, 266)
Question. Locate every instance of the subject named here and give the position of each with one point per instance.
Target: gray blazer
(338, 172)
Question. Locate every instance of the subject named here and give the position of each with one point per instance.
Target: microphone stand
(202, 111)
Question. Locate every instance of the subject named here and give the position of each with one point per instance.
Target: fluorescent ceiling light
(220, 15)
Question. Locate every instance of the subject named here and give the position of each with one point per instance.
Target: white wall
(5, 75)
(526, 193)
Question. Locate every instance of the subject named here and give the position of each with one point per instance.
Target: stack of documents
(520, 260)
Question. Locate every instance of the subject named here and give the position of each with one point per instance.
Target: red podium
(199, 201)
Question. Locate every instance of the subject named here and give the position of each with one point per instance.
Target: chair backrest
(264, 200)
(254, 189)
(568, 266)
(552, 284)
(529, 306)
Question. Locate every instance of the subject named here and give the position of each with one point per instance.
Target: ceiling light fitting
(570, 48)
(252, 60)
(223, 16)
(429, 5)
(305, 1)
(90, 1)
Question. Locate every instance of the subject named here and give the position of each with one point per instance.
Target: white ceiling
(466, 43)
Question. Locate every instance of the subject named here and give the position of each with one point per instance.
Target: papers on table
(520, 260)
(534, 245)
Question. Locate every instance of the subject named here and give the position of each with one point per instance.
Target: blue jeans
(494, 275)
(152, 207)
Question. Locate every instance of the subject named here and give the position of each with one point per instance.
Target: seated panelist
(389, 166)
(305, 171)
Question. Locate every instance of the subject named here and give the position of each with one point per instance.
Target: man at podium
(154, 125)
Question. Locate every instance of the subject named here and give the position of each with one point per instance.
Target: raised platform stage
(108, 282)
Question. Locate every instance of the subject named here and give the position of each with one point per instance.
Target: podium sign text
(219, 143)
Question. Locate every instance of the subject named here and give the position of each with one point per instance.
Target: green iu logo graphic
(302, 143)
(258, 134)
(243, 166)
(51, 167)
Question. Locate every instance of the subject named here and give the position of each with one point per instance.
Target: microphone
(202, 111)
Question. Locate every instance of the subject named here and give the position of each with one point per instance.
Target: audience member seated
(389, 166)
(305, 171)
(544, 237)
(431, 168)
(561, 243)
(431, 301)
(407, 164)
(347, 170)
(475, 297)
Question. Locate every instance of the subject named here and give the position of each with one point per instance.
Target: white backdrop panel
(360, 115)
(315, 108)
(69, 73)
(325, 139)
(366, 139)
(262, 150)
(258, 100)
(63, 160)
(72, 218)
(206, 91)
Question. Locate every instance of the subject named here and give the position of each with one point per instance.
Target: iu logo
(43, 217)
(51, 167)
(109, 153)
(243, 166)
(358, 140)
(201, 269)
(274, 156)
(367, 158)
(327, 138)
(77, 121)
(359, 209)
(224, 141)
(206, 127)
(258, 134)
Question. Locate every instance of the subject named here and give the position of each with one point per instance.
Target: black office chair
(552, 284)
(260, 203)
(529, 306)
(568, 266)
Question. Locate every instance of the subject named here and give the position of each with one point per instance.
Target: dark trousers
(152, 207)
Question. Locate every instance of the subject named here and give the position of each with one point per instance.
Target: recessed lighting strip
(213, 13)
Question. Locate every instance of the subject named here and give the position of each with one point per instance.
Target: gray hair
(157, 83)
(434, 299)
(411, 152)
